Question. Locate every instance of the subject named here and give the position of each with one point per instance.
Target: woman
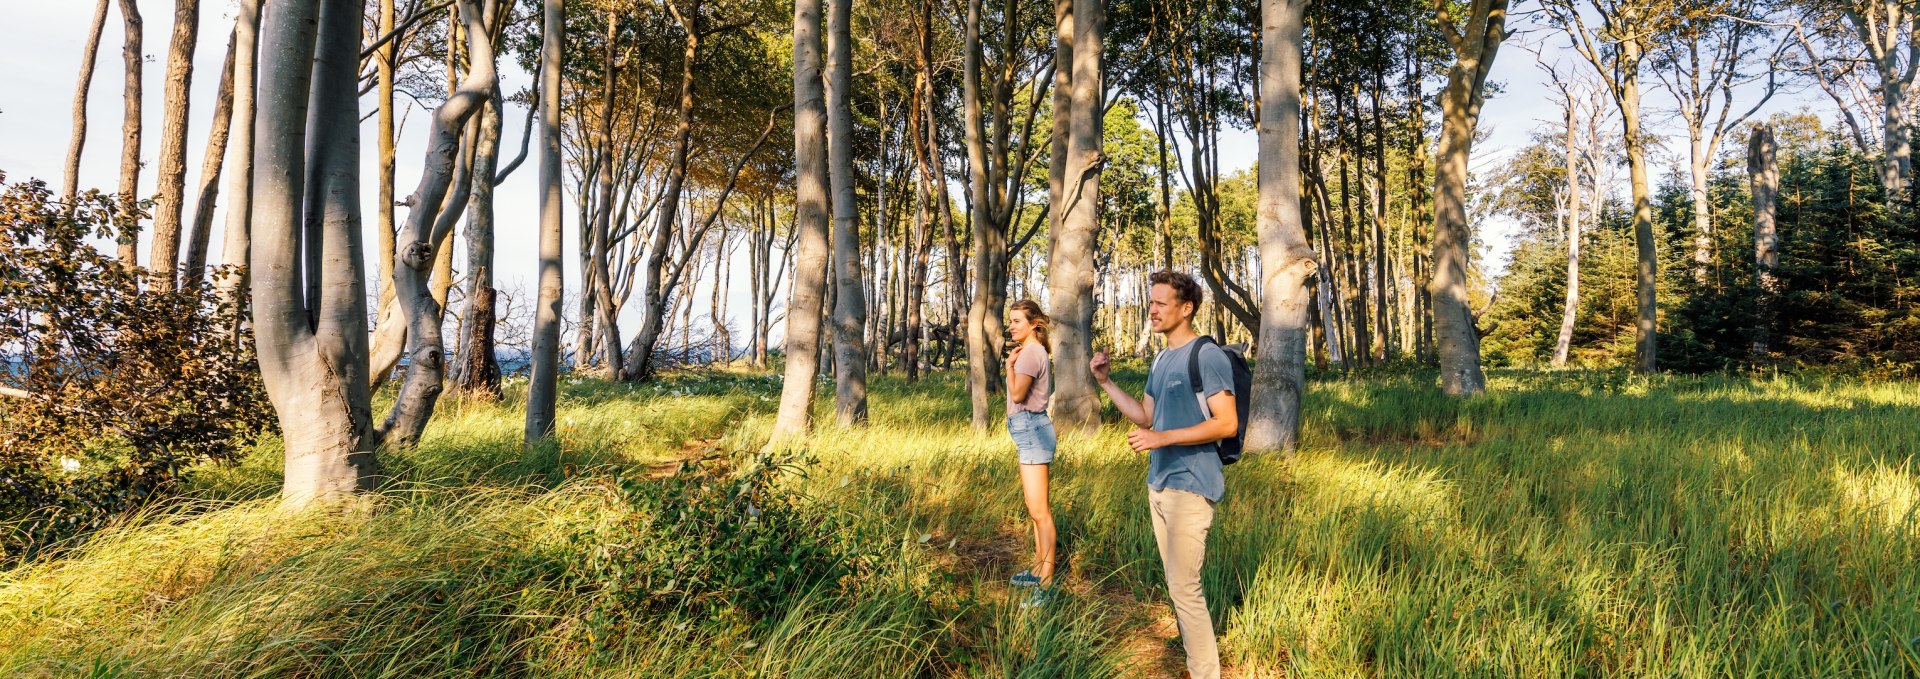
(1027, 387)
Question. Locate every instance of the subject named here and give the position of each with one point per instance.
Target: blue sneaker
(1040, 598)
(1025, 578)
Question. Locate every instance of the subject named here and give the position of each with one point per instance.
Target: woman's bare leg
(1033, 485)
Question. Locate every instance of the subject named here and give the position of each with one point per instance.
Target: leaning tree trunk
(1563, 343)
(810, 218)
(70, 184)
(425, 230)
(129, 235)
(1453, 321)
(312, 369)
(543, 386)
(654, 312)
(172, 172)
(1070, 270)
(238, 238)
(390, 333)
(850, 312)
(200, 236)
(1286, 256)
(1763, 174)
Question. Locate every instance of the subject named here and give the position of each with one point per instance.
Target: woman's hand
(1013, 357)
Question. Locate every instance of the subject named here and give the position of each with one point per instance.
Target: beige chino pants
(1181, 521)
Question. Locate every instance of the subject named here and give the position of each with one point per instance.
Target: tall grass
(1566, 524)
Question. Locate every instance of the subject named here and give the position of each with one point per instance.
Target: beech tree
(1286, 256)
(1475, 43)
(850, 308)
(810, 220)
(130, 128)
(543, 385)
(172, 169)
(1076, 402)
(312, 347)
(70, 179)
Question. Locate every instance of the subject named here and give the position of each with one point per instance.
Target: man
(1184, 479)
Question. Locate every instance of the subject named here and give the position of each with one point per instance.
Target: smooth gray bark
(810, 220)
(426, 231)
(1474, 49)
(850, 299)
(237, 240)
(542, 387)
(1070, 269)
(1286, 256)
(1763, 176)
(312, 350)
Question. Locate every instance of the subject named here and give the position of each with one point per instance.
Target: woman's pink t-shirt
(1032, 362)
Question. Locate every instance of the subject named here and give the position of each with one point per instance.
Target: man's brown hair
(1184, 288)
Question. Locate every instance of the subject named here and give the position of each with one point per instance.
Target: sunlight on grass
(1568, 523)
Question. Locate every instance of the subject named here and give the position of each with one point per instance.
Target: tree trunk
(989, 236)
(193, 270)
(70, 180)
(425, 230)
(1076, 402)
(1646, 268)
(850, 312)
(810, 220)
(542, 387)
(1286, 256)
(129, 236)
(599, 272)
(479, 372)
(1698, 174)
(654, 311)
(1571, 310)
(390, 333)
(1458, 339)
(172, 171)
(1763, 174)
(237, 242)
(311, 372)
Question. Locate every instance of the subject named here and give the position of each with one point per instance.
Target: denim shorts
(1033, 435)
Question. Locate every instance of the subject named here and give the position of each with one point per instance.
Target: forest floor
(1567, 523)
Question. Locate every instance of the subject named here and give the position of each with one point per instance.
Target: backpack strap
(1193, 374)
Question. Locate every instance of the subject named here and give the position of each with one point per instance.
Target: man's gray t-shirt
(1196, 468)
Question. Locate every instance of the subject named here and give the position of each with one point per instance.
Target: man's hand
(1143, 440)
(1101, 367)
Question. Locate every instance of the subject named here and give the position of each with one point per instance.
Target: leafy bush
(110, 390)
(709, 543)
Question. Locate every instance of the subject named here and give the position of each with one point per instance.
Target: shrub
(111, 390)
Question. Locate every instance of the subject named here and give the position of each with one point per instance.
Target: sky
(43, 39)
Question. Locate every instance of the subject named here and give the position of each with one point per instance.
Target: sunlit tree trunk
(390, 332)
(70, 180)
(312, 350)
(850, 312)
(1571, 309)
(1763, 175)
(237, 240)
(1286, 256)
(1474, 50)
(200, 236)
(479, 371)
(1070, 270)
(810, 221)
(130, 126)
(425, 231)
(172, 170)
(542, 387)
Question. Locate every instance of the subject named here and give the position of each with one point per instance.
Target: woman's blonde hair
(1036, 318)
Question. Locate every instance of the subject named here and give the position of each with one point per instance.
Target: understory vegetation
(1568, 523)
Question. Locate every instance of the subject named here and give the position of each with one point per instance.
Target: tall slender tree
(1763, 176)
(1070, 266)
(70, 180)
(850, 298)
(172, 170)
(200, 233)
(543, 385)
(810, 220)
(130, 127)
(237, 241)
